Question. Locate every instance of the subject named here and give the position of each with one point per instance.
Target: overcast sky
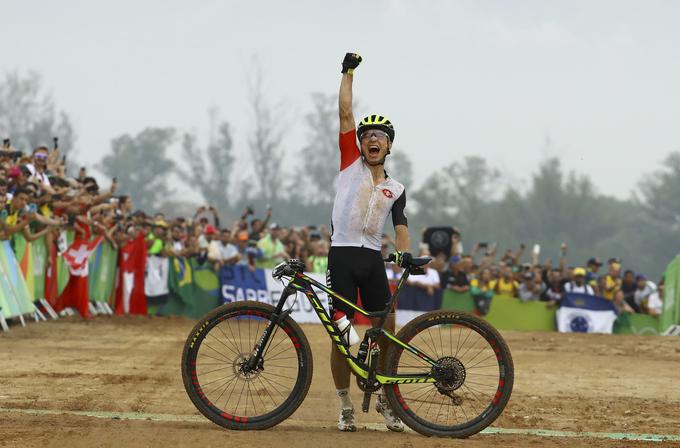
(599, 79)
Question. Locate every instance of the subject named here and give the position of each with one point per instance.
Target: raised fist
(351, 61)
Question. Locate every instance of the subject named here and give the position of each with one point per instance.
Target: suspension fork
(277, 316)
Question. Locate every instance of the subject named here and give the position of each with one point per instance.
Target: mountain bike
(248, 365)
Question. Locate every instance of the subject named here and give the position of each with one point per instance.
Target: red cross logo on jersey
(388, 194)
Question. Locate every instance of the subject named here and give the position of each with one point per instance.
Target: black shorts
(357, 268)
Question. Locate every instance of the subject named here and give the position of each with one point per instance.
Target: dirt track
(593, 383)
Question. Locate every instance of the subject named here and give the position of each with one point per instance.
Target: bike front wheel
(473, 376)
(223, 389)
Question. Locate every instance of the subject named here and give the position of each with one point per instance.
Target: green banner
(102, 272)
(24, 255)
(39, 251)
(636, 324)
(671, 300)
(508, 313)
(194, 289)
(15, 298)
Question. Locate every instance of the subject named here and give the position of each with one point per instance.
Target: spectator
(647, 297)
(430, 282)
(221, 252)
(530, 288)
(178, 237)
(272, 248)
(38, 167)
(155, 240)
(456, 242)
(505, 285)
(555, 290)
(592, 267)
(579, 285)
(628, 288)
(247, 249)
(455, 278)
(612, 284)
(207, 214)
(258, 226)
(317, 262)
(482, 291)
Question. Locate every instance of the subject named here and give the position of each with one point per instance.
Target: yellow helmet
(376, 122)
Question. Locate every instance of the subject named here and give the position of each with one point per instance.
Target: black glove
(351, 61)
(402, 259)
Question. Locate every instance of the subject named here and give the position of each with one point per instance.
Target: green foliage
(557, 208)
(661, 192)
(141, 165)
(29, 117)
(321, 156)
(209, 170)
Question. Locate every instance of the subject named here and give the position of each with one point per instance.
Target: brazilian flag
(194, 289)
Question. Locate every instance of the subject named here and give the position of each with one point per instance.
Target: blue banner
(588, 302)
(417, 299)
(240, 283)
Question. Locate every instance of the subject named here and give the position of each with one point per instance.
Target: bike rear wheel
(474, 376)
(223, 389)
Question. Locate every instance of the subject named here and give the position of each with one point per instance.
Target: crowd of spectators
(41, 199)
(483, 274)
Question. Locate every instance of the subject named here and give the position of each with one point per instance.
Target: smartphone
(482, 245)
(32, 208)
(6, 143)
(537, 249)
(114, 180)
(56, 142)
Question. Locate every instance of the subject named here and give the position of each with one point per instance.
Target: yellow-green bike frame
(303, 283)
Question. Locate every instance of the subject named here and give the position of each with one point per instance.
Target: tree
(265, 142)
(661, 192)
(141, 165)
(398, 164)
(29, 117)
(209, 170)
(321, 156)
(459, 190)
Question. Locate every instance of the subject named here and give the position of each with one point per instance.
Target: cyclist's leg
(340, 279)
(375, 294)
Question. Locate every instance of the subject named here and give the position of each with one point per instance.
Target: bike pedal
(366, 403)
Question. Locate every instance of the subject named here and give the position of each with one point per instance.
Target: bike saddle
(420, 261)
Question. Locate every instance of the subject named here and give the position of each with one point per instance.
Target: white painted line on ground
(371, 426)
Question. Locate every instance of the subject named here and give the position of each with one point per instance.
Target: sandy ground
(595, 383)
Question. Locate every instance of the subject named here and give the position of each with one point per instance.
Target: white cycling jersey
(361, 207)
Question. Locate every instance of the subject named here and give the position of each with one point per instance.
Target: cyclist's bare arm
(351, 61)
(345, 104)
(403, 240)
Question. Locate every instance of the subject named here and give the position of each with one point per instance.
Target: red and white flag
(130, 298)
(76, 293)
(77, 254)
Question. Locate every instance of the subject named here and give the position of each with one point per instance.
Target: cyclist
(365, 196)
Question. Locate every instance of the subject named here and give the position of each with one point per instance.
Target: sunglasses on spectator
(380, 135)
(40, 155)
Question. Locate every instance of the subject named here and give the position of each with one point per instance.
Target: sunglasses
(380, 135)
(40, 155)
